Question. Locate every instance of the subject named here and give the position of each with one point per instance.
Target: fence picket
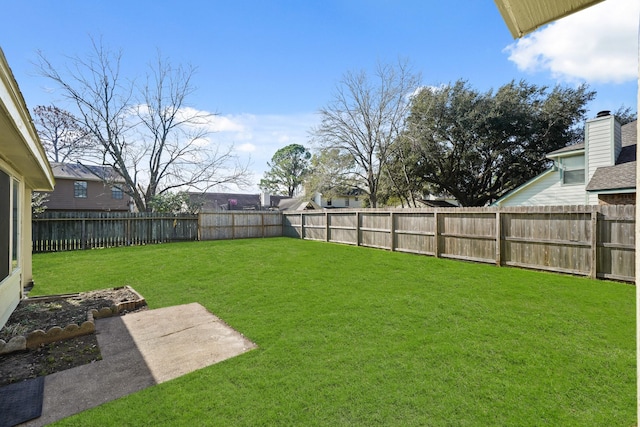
(595, 241)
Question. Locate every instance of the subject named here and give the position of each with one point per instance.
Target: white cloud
(256, 138)
(598, 44)
(247, 148)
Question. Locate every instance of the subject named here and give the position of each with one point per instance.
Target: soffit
(524, 16)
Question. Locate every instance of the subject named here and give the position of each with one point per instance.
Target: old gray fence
(595, 241)
(63, 231)
(239, 225)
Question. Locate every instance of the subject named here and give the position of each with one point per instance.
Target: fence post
(326, 226)
(358, 228)
(393, 231)
(301, 225)
(436, 234)
(83, 235)
(594, 245)
(498, 238)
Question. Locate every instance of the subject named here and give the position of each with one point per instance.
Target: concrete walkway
(140, 350)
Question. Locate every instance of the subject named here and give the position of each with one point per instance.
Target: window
(346, 202)
(116, 193)
(15, 232)
(5, 224)
(80, 189)
(572, 169)
(328, 202)
(9, 225)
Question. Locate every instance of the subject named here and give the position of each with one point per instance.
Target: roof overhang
(572, 153)
(524, 16)
(614, 191)
(19, 143)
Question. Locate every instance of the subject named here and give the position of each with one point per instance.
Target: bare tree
(177, 151)
(365, 118)
(61, 134)
(147, 134)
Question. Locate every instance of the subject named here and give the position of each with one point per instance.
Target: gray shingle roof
(618, 177)
(78, 171)
(226, 201)
(567, 149)
(622, 175)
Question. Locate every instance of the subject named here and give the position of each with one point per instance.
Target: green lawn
(355, 336)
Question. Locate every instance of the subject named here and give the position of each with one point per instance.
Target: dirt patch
(46, 312)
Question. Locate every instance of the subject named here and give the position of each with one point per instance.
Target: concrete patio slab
(140, 350)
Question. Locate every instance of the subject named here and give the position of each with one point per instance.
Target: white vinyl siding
(547, 190)
(603, 136)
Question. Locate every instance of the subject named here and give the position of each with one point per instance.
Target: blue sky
(266, 67)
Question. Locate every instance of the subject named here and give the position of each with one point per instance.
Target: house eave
(21, 148)
(523, 17)
(627, 190)
(565, 154)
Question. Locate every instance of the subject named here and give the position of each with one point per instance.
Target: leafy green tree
(179, 202)
(625, 115)
(289, 165)
(478, 146)
(400, 183)
(330, 174)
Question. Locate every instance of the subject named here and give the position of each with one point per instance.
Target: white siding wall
(548, 190)
(338, 202)
(603, 143)
(11, 286)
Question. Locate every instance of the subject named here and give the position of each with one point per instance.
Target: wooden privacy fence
(595, 241)
(64, 231)
(240, 225)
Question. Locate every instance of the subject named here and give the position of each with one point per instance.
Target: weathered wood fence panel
(595, 241)
(239, 225)
(63, 231)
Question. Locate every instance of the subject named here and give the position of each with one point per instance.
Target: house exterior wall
(603, 145)
(17, 256)
(603, 142)
(547, 190)
(338, 202)
(24, 167)
(99, 197)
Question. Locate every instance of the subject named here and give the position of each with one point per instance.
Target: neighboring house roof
(618, 177)
(226, 201)
(568, 149)
(77, 171)
(622, 175)
(297, 204)
(438, 203)
(276, 200)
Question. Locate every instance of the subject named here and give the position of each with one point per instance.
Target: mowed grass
(354, 336)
